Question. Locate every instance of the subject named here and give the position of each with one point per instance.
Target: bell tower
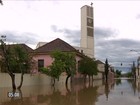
(87, 30)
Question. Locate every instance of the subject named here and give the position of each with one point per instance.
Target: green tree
(129, 74)
(68, 62)
(20, 61)
(70, 65)
(118, 73)
(87, 66)
(63, 62)
(106, 69)
(6, 63)
(15, 60)
(56, 68)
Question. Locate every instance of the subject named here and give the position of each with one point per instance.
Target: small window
(40, 64)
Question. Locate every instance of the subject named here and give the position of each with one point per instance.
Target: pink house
(42, 54)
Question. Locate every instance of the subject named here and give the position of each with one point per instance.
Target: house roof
(24, 46)
(56, 44)
(99, 62)
(27, 48)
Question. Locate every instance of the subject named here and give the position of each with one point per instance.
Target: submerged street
(118, 92)
(124, 92)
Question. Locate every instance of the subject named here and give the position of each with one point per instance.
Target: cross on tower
(91, 4)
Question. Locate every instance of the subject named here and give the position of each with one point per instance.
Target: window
(40, 64)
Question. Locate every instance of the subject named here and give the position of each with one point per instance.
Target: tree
(87, 66)
(128, 74)
(21, 61)
(118, 73)
(5, 58)
(54, 70)
(70, 65)
(63, 62)
(68, 62)
(15, 60)
(106, 69)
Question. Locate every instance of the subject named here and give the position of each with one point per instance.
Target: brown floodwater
(118, 92)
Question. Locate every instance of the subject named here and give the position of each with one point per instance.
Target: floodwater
(118, 92)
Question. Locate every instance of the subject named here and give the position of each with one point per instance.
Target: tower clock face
(90, 22)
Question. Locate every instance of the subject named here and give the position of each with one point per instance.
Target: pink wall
(48, 60)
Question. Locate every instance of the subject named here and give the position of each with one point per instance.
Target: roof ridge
(54, 45)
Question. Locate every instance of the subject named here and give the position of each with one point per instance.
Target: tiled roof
(99, 62)
(56, 44)
(24, 46)
(27, 48)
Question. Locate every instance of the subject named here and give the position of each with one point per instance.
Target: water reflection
(99, 93)
(91, 96)
(106, 90)
(118, 81)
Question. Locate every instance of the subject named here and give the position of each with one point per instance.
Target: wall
(101, 67)
(47, 59)
(36, 79)
(98, 76)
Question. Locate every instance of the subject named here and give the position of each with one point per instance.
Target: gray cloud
(138, 16)
(101, 33)
(117, 51)
(73, 36)
(106, 46)
(17, 37)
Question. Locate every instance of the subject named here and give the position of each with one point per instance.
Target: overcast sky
(116, 25)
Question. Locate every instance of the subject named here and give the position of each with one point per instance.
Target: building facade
(43, 57)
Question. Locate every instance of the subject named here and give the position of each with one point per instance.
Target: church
(86, 43)
(87, 32)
